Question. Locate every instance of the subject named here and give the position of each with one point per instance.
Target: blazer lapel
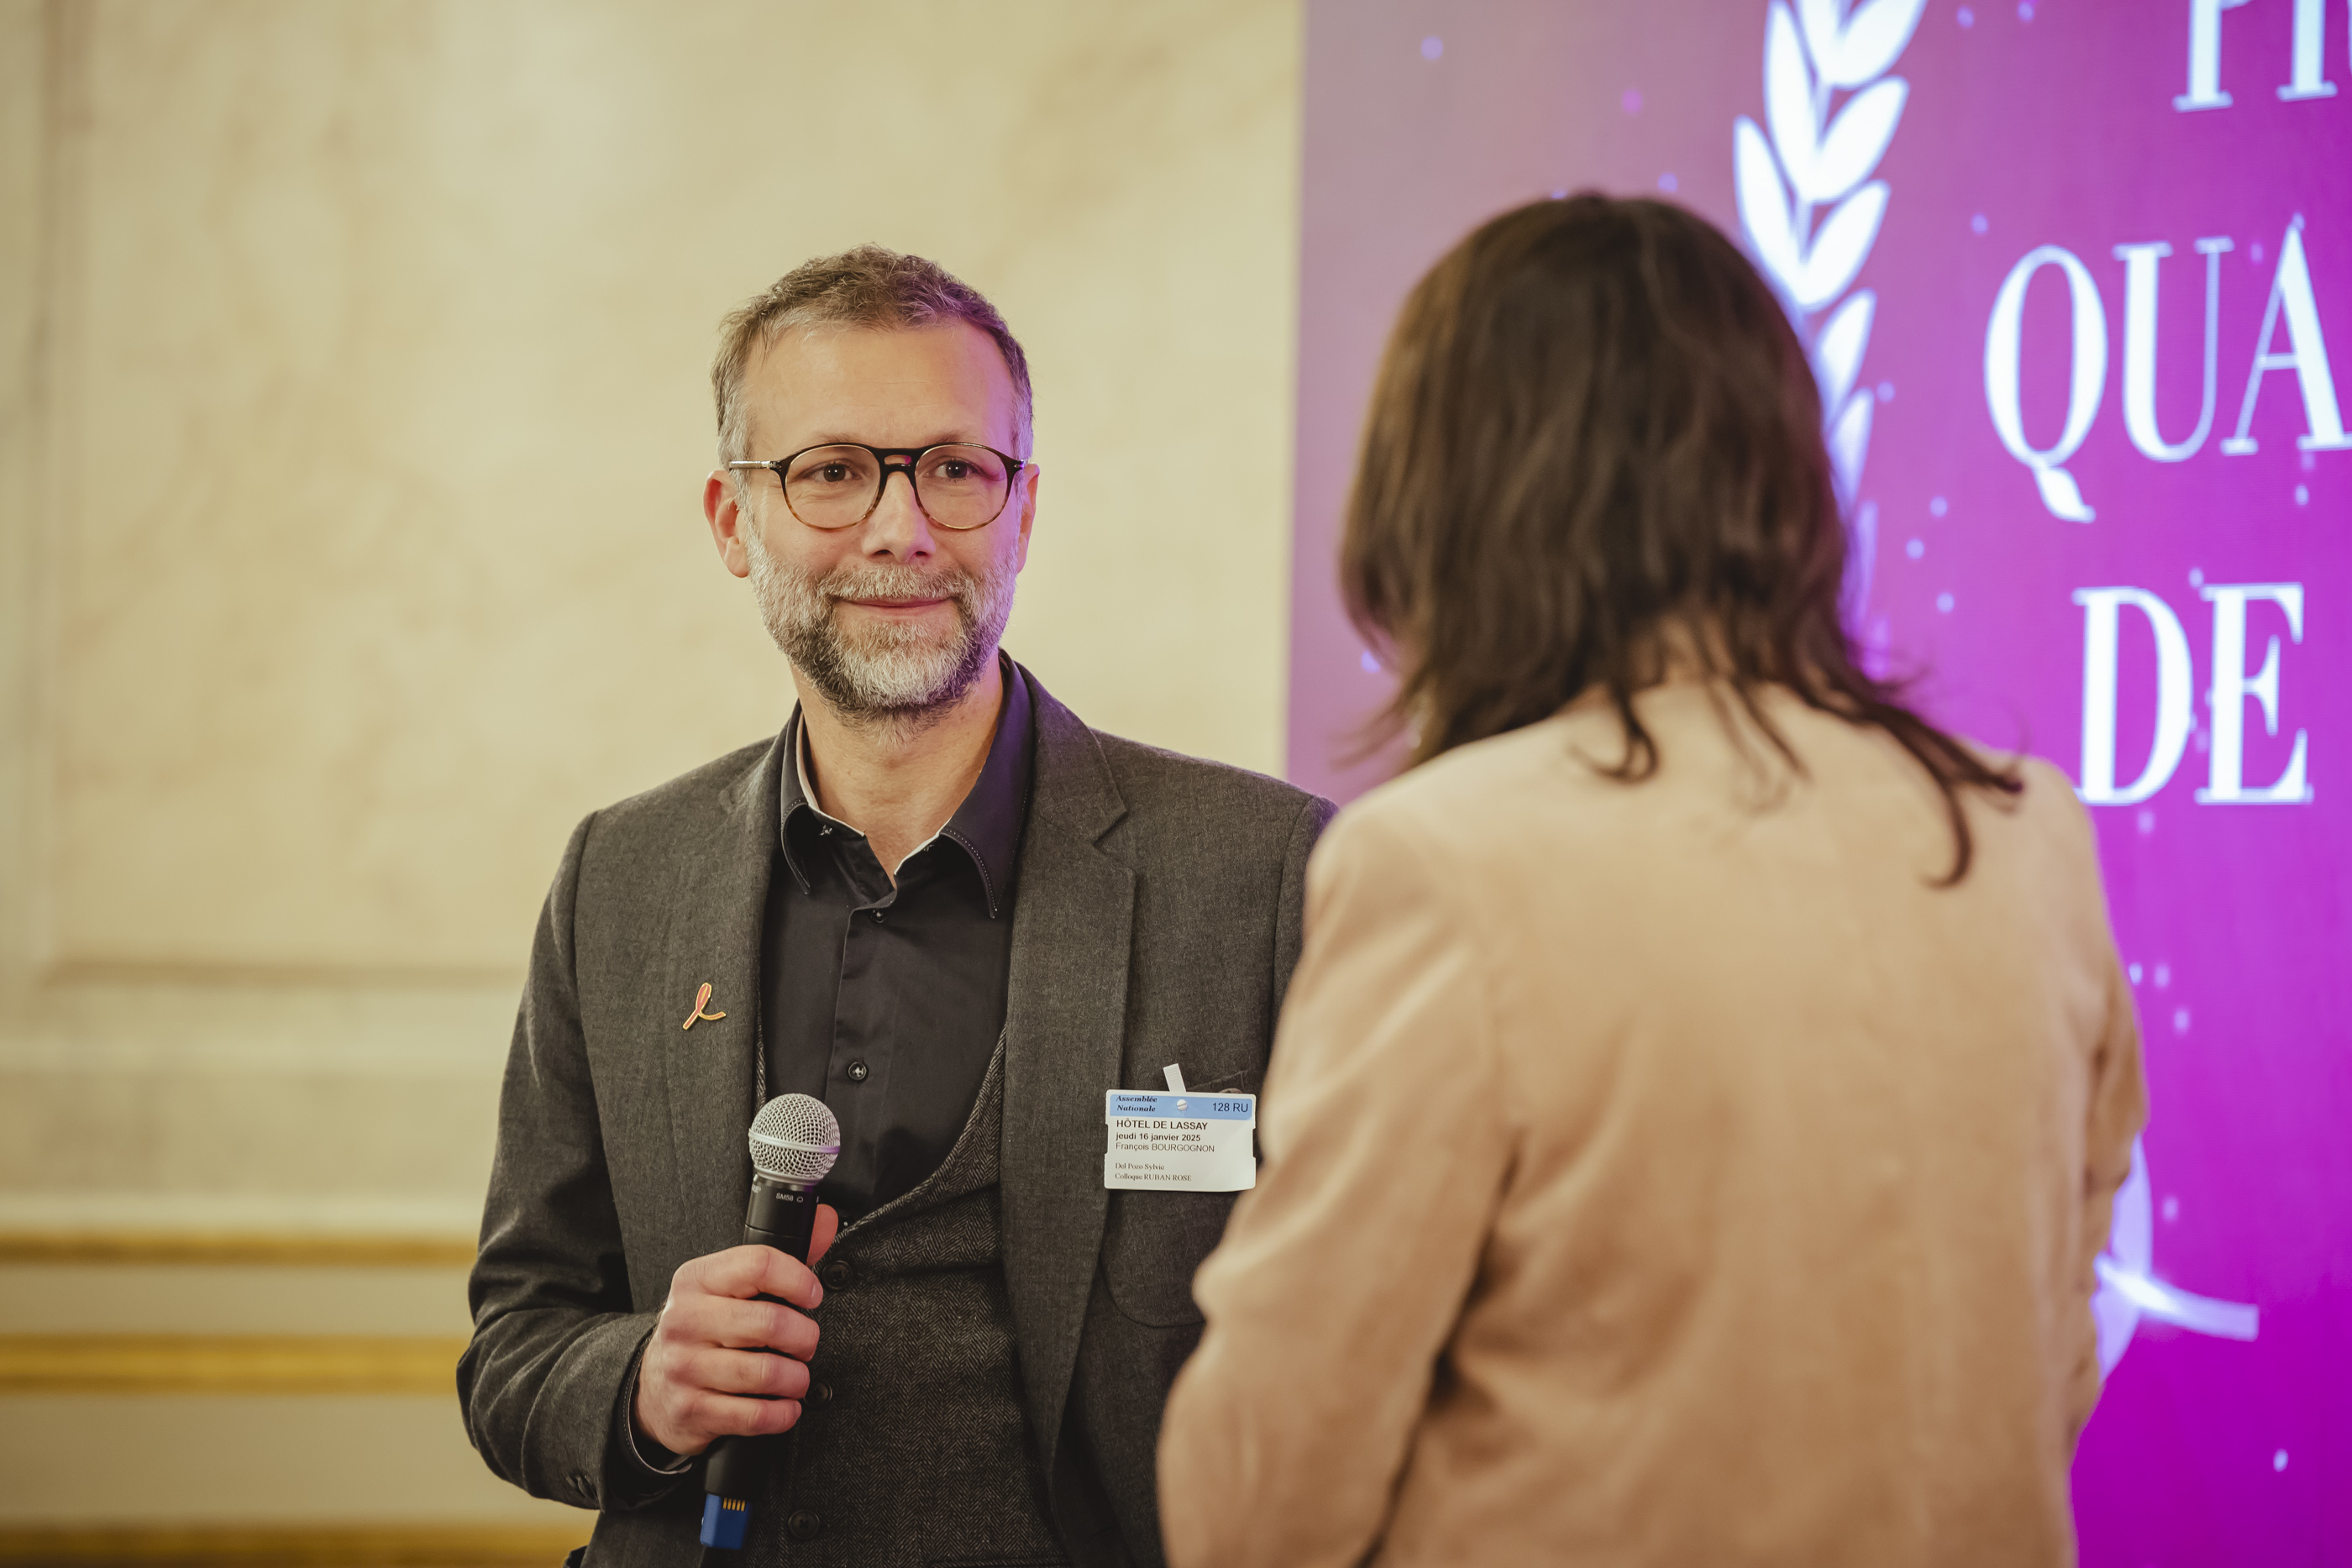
(713, 937)
(1064, 1018)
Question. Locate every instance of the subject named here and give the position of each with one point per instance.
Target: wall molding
(225, 974)
(282, 1249)
(228, 1364)
(262, 1546)
(52, 427)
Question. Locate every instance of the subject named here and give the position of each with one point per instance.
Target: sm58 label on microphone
(1179, 1142)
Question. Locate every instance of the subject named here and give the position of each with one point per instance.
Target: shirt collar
(986, 825)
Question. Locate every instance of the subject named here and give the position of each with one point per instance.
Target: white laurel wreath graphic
(1815, 160)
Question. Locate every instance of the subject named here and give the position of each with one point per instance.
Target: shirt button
(823, 1394)
(877, 917)
(803, 1524)
(858, 1071)
(836, 1274)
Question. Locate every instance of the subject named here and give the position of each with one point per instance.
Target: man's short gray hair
(868, 287)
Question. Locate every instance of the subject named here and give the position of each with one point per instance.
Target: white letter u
(2139, 346)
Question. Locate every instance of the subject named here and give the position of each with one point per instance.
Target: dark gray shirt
(885, 1001)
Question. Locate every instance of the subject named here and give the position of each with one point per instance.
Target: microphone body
(781, 1215)
(793, 1144)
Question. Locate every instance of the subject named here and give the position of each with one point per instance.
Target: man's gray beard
(896, 673)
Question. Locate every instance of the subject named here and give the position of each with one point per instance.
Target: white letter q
(2089, 382)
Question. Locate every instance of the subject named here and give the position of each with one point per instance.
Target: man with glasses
(940, 903)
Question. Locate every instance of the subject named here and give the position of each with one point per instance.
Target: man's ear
(1028, 484)
(726, 521)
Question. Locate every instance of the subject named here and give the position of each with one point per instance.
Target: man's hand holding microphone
(730, 1356)
(728, 1364)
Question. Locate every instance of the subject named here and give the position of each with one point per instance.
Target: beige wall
(354, 412)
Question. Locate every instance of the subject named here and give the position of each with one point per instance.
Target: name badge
(1179, 1142)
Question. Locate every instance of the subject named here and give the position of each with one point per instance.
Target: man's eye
(955, 468)
(834, 473)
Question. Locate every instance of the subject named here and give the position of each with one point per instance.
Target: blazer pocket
(1153, 1242)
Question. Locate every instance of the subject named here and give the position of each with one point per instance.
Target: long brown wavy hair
(1595, 443)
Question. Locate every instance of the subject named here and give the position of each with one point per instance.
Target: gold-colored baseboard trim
(228, 1364)
(298, 975)
(381, 1546)
(291, 1249)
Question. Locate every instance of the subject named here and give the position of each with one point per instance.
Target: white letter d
(2175, 709)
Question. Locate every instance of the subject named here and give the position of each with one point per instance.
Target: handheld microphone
(794, 1140)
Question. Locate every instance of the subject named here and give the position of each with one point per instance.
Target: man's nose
(897, 527)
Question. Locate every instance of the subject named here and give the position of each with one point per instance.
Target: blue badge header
(1193, 1107)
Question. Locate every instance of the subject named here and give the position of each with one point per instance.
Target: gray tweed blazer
(1157, 921)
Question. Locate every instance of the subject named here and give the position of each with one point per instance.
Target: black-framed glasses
(959, 485)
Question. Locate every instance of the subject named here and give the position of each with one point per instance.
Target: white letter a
(2306, 355)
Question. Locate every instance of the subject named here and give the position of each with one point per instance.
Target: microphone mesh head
(796, 1138)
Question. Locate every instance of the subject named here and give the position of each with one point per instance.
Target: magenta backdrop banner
(2072, 273)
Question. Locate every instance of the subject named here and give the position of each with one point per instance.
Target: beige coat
(1668, 1173)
